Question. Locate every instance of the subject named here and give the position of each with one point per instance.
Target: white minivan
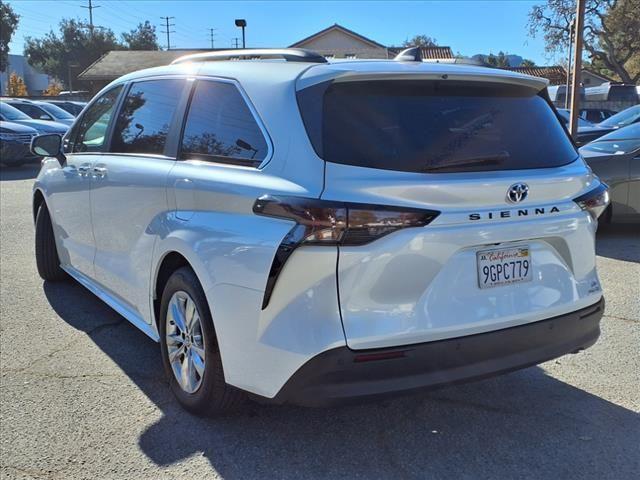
(314, 232)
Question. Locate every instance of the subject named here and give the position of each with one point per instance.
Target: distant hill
(514, 60)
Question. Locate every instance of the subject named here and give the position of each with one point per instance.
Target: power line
(90, 7)
(168, 31)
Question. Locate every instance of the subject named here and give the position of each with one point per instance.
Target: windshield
(54, 110)
(10, 113)
(564, 114)
(434, 126)
(625, 117)
(623, 140)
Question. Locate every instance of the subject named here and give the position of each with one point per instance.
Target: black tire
(47, 259)
(214, 396)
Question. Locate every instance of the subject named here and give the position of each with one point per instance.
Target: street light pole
(577, 66)
(242, 23)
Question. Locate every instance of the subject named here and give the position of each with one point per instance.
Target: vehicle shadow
(522, 425)
(22, 172)
(619, 241)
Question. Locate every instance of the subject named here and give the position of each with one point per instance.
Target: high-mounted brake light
(326, 222)
(594, 201)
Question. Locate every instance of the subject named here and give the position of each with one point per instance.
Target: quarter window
(145, 117)
(221, 128)
(89, 134)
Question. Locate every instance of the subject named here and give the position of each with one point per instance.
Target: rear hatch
(493, 159)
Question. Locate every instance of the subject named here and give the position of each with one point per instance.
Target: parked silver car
(615, 158)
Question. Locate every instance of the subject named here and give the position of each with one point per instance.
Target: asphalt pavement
(82, 395)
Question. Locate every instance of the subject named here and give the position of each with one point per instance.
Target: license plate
(503, 266)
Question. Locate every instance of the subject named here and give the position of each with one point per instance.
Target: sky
(468, 27)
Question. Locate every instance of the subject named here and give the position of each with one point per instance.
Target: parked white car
(314, 232)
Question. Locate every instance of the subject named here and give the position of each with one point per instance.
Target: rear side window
(435, 126)
(221, 128)
(146, 115)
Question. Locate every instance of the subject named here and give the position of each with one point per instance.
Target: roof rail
(289, 54)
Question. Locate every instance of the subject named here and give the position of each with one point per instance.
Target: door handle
(84, 168)
(99, 171)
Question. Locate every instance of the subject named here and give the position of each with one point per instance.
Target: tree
(500, 61)
(420, 41)
(8, 24)
(75, 45)
(16, 86)
(142, 38)
(611, 38)
(53, 89)
(528, 63)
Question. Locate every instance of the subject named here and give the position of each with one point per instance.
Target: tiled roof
(433, 53)
(555, 74)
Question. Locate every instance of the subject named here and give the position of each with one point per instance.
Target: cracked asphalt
(82, 395)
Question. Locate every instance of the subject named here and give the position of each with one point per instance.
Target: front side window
(89, 134)
(221, 128)
(146, 115)
(434, 126)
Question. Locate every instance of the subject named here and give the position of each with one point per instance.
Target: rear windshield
(434, 126)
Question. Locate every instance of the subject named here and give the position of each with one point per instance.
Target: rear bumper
(340, 376)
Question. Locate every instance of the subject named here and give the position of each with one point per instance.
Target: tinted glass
(625, 117)
(11, 113)
(89, 134)
(56, 111)
(564, 115)
(614, 147)
(33, 111)
(428, 126)
(145, 117)
(220, 126)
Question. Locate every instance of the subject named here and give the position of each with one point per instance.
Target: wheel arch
(168, 262)
(37, 200)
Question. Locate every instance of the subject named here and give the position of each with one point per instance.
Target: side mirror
(49, 145)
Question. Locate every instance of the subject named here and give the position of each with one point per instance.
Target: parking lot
(83, 396)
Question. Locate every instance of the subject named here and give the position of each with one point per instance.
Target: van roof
(305, 74)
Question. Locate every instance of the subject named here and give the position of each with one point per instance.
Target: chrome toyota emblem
(517, 192)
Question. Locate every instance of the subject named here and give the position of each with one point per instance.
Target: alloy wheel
(185, 341)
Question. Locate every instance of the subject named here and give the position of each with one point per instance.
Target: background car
(73, 107)
(15, 140)
(42, 111)
(615, 158)
(595, 115)
(622, 119)
(11, 114)
(587, 131)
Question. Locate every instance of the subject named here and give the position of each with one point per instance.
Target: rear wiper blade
(471, 162)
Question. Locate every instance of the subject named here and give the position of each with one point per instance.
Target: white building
(35, 81)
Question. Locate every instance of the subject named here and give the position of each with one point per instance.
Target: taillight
(326, 222)
(594, 201)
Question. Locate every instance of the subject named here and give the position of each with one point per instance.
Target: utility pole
(212, 35)
(168, 30)
(234, 42)
(572, 32)
(90, 7)
(577, 66)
